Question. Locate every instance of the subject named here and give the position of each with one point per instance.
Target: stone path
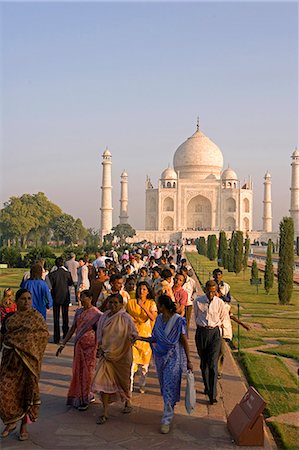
(62, 427)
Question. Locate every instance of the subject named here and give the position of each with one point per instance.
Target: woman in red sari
(85, 323)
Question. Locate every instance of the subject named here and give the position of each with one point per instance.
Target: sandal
(164, 428)
(101, 420)
(82, 407)
(127, 409)
(7, 430)
(23, 436)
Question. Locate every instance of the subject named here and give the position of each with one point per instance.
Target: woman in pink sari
(85, 323)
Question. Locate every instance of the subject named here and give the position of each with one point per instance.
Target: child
(7, 304)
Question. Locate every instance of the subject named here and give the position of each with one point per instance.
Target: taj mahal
(197, 196)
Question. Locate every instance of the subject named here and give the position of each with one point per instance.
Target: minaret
(294, 210)
(106, 208)
(267, 217)
(123, 215)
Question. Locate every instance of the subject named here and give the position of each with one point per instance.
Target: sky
(134, 76)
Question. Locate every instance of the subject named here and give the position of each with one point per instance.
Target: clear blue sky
(134, 76)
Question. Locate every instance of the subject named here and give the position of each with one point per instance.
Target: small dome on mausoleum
(229, 174)
(169, 174)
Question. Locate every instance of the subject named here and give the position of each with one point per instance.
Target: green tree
(68, 229)
(92, 240)
(230, 255)
(238, 251)
(269, 273)
(18, 218)
(11, 256)
(123, 231)
(222, 248)
(225, 259)
(81, 231)
(202, 246)
(45, 213)
(28, 217)
(42, 252)
(246, 253)
(286, 260)
(254, 271)
(212, 247)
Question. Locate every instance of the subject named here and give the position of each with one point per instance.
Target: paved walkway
(62, 427)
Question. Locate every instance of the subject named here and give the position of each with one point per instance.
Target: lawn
(289, 435)
(274, 382)
(11, 278)
(268, 320)
(287, 350)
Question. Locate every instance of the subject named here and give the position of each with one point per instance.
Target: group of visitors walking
(135, 307)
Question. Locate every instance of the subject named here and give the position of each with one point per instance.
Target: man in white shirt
(100, 259)
(209, 313)
(137, 263)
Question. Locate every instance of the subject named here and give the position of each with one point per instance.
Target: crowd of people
(130, 307)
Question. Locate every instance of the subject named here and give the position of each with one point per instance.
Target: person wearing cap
(125, 256)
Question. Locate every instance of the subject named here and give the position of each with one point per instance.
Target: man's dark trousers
(65, 320)
(208, 343)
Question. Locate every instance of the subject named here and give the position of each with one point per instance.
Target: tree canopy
(35, 217)
(123, 231)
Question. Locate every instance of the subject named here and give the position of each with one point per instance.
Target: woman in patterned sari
(116, 334)
(25, 337)
(85, 323)
(143, 311)
(170, 350)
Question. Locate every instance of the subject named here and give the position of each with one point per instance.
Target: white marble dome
(198, 155)
(295, 153)
(169, 174)
(229, 174)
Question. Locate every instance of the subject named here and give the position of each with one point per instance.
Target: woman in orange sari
(25, 337)
(116, 334)
(85, 323)
(143, 311)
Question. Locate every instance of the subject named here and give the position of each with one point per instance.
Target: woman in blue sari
(171, 354)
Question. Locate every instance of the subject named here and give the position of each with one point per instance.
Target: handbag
(190, 397)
